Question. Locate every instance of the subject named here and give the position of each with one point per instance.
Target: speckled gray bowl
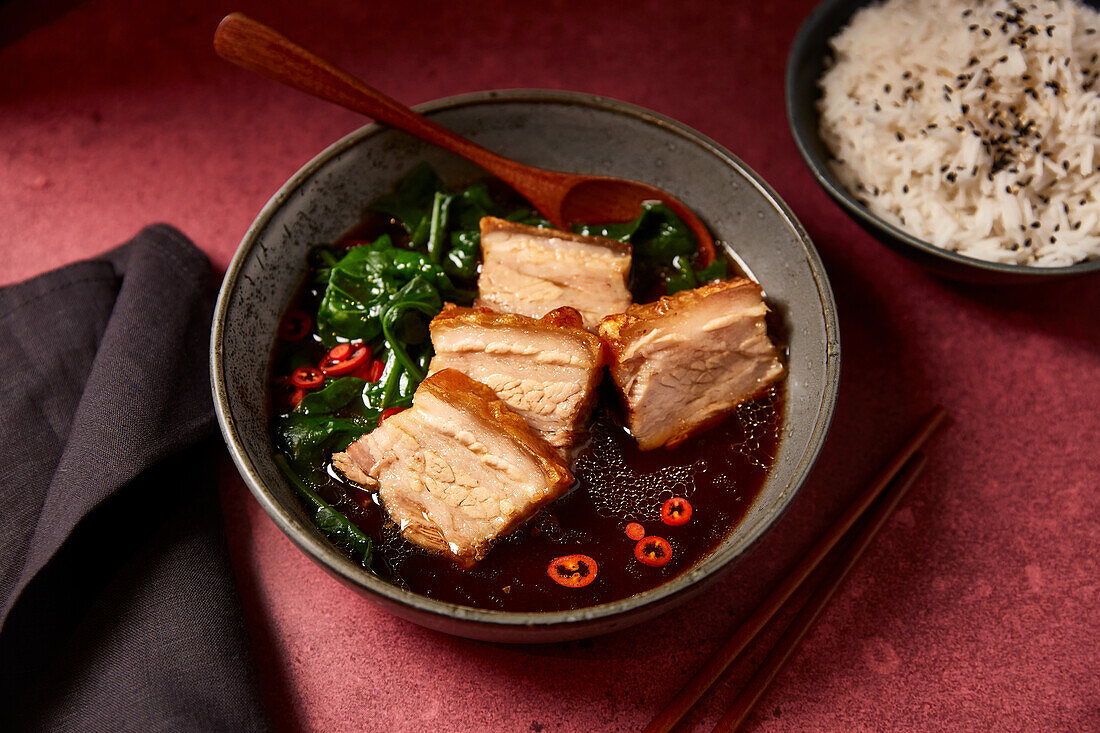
(572, 132)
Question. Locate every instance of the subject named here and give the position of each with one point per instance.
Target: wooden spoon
(563, 198)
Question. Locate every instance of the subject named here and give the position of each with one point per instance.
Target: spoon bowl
(563, 198)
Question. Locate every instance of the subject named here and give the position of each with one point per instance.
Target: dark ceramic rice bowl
(561, 130)
(805, 65)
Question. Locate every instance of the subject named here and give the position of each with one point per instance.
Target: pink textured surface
(977, 608)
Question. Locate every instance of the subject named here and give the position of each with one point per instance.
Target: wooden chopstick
(788, 643)
(713, 668)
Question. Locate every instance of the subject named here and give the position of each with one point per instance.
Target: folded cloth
(118, 608)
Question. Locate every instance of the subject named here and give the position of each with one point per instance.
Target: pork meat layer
(545, 369)
(532, 271)
(458, 468)
(685, 361)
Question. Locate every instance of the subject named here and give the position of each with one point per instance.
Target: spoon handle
(256, 47)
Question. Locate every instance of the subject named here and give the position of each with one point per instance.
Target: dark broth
(720, 471)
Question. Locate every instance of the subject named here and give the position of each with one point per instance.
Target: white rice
(974, 126)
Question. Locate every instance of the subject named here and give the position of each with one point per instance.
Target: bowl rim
(797, 56)
(654, 600)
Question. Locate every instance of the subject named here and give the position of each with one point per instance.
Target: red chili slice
(295, 326)
(635, 531)
(376, 368)
(572, 571)
(676, 511)
(339, 352)
(344, 359)
(653, 551)
(389, 412)
(307, 378)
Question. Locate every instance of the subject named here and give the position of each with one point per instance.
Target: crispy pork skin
(458, 468)
(532, 271)
(685, 361)
(545, 369)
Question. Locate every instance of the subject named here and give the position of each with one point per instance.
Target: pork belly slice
(685, 361)
(458, 469)
(532, 271)
(545, 369)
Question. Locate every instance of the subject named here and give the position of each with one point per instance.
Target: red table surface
(976, 609)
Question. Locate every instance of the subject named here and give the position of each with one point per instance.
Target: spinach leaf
(411, 202)
(333, 524)
(396, 387)
(464, 255)
(622, 232)
(466, 210)
(437, 234)
(717, 270)
(405, 322)
(335, 395)
(364, 284)
(308, 440)
(472, 204)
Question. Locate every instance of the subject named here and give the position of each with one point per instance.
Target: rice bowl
(974, 129)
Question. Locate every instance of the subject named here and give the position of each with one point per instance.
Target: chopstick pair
(905, 466)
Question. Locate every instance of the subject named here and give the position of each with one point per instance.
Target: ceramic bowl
(805, 65)
(560, 130)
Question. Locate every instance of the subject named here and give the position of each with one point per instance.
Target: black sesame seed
(1050, 30)
(899, 136)
(965, 108)
(905, 188)
(973, 26)
(1035, 225)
